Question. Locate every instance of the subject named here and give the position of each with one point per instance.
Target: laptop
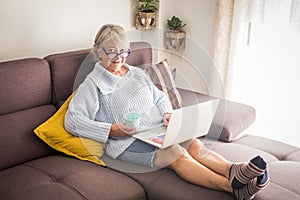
(185, 123)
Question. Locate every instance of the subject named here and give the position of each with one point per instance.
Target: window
(264, 65)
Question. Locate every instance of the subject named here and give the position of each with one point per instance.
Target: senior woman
(114, 88)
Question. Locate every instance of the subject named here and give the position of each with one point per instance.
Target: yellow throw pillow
(53, 133)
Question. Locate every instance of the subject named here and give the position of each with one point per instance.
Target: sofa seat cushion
(286, 175)
(238, 152)
(17, 140)
(294, 156)
(280, 150)
(283, 173)
(26, 182)
(165, 184)
(61, 177)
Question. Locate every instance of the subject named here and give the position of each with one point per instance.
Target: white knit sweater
(103, 98)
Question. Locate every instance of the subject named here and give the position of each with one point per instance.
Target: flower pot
(145, 20)
(175, 40)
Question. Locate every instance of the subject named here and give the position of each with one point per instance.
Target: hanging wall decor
(146, 17)
(175, 36)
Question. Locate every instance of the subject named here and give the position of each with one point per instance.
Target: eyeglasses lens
(113, 55)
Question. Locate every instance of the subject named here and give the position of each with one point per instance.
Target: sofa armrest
(231, 117)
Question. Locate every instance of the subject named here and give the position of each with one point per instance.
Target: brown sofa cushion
(60, 64)
(65, 178)
(283, 185)
(17, 140)
(141, 55)
(24, 84)
(25, 96)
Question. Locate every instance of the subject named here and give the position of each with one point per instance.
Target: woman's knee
(197, 149)
(165, 157)
(195, 146)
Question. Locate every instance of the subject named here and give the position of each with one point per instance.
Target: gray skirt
(139, 153)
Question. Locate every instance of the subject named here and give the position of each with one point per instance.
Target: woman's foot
(255, 185)
(242, 174)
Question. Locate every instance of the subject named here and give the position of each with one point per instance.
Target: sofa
(32, 90)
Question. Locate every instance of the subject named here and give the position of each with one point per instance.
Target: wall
(37, 28)
(194, 65)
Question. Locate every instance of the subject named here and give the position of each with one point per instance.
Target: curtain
(234, 24)
(295, 15)
(222, 37)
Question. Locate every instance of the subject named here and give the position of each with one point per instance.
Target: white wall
(194, 64)
(37, 28)
(198, 14)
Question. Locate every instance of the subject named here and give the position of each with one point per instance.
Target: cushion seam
(285, 157)
(54, 179)
(285, 188)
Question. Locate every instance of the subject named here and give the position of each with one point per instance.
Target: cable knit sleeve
(162, 101)
(80, 119)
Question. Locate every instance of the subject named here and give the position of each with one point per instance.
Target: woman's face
(110, 55)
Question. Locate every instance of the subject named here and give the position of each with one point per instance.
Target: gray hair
(111, 32)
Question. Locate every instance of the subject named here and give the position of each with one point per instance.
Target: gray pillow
(231, 120)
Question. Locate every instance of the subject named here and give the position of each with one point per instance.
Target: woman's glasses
(113, 55)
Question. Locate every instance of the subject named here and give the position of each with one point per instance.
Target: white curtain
(295, 15)
(263, 65)
(222, 37)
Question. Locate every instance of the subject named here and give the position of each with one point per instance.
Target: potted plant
(175, 35)
(146, 17)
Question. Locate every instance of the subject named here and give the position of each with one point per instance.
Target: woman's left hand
(166, 118)
(121, 130)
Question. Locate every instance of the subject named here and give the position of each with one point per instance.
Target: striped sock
(262, 181)
(255, 185)
(245, 192)
(241, 174)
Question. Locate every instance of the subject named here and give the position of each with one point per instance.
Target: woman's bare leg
(242, 176)
(208, 158)
(177, 158)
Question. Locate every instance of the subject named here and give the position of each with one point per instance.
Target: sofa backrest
(64, 67)
(25, 96)
(141, 55)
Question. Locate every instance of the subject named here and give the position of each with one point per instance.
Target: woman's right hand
(121, 130)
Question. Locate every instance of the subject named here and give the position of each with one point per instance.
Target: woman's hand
(121, 130)
(166, 118)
